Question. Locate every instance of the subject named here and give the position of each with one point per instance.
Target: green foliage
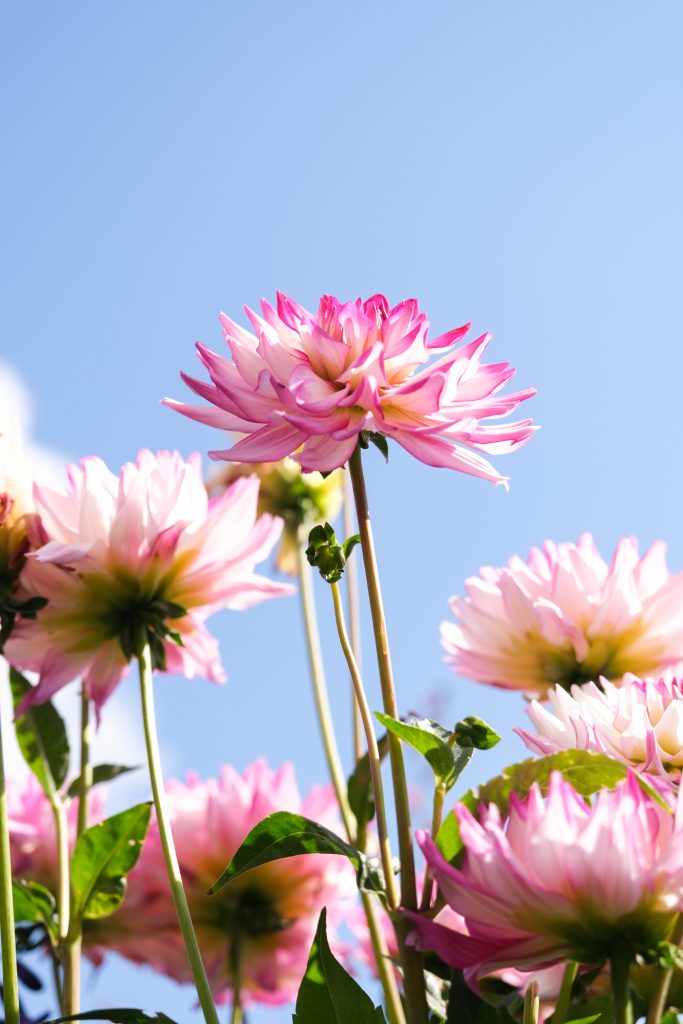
(368, 437)
(103, 856)
(328, 995)
(102, 773)
(283, 834)
(474, 732)
(325, 553)
(117, 1017)
(436, 744)
(465, 1007)
(42, 738)
(34, 904)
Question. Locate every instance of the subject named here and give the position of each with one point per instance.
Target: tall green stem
(382, 959)
(351, 575)
(9, 950)
(413, 974)
(322, 701)
(657, 1007)
(565, 995)
(437, 813)
(373, 751)
(620, 965)
(73, 945)
(164, 825)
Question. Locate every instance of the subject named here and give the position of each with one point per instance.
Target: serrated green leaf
(433, 741)
(328, 995)
(282, 835)
(102, 773)
(41, 736)
(474, 732)
(117, 1017)
(103, 856)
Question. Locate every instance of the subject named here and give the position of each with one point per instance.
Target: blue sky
(517, 165)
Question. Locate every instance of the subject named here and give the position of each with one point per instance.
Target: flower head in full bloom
(639, 723)
(559, 879)
(565, 616)
(311, 383)
(146, 550)
(299, 499)
(262, 924)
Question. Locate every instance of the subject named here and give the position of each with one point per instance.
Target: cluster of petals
(310, 383)
(566, 616)
(264, 921)
(145, 539)
(639, 723)
(31, 822)
(558, 879)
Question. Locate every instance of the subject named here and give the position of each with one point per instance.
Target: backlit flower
(146, 550)
(559, 879)
(639, 723)
(314, 382)
(262, 925)
(299, 499)
(565, 616)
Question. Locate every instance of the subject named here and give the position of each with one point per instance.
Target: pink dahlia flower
(639, 723)
(309, 384)
(558, 879)
(261, 925)
(147, 547)
(565, 616)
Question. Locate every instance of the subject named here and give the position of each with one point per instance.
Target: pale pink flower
(33, 840)
(264, 921)
(309, 384)
(558, 879)
(147, 545)
(565, 616)
(639, 723)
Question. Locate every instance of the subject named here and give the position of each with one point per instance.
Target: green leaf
(379, 441)
(102, 773)
(103, 856)
(328, 995)
(435, 743)
(33, 903)
(359, 786)
(117, 1017)
(42, 737)
(586, 771)
(667, 955)
(282, 835)
(465, 1007)
(474, 732)
(349, 544)
(589, 1020)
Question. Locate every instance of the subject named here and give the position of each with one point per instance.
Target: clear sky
(514, 164)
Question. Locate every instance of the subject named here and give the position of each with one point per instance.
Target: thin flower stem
(85, 778)
(620, 965)
(164, 825)
(10, 980)
(382, 959)
(351, 574)
(237, 1016)
(565, 994)
(413, 975)
(322, 701)
(73, 945)
(71, 984)
(657, 1007)
(373, 751)
(437, 813)
(531, 1004)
